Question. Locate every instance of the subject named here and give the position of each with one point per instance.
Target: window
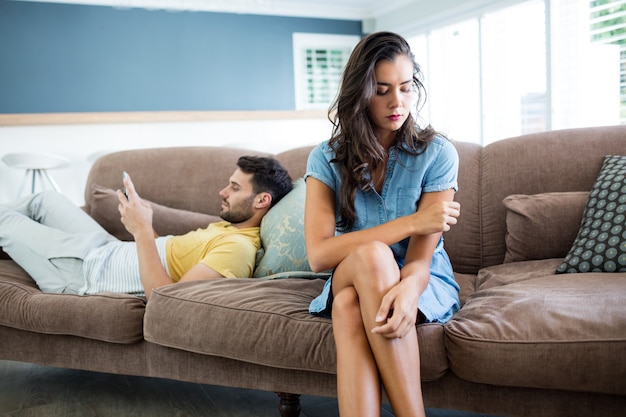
(318, 65)
(451, 64)
(526, 68)
(608, 26)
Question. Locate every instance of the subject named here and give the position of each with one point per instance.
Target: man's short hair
(268, 176)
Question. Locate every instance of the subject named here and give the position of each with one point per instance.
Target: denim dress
(407, 177)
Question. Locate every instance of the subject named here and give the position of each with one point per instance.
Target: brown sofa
(527, 341)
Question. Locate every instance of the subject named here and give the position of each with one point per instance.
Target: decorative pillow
(542, 226)
(600, 245)
(166, 220)
(282, 235)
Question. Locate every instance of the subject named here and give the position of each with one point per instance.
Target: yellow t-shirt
(225, 248)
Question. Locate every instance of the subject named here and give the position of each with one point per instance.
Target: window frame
(325, 79)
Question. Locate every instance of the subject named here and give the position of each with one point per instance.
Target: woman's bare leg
(358, 382)
(371, 271)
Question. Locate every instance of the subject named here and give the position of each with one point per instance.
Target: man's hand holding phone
(136, 214)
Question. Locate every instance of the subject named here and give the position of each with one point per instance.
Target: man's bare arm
(136, 215)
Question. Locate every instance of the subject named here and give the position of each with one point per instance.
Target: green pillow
(600, 245)
(282, 235)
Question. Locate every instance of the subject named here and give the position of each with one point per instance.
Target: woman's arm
(325, 250)
(414, 277)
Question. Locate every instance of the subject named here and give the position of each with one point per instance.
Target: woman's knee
(377, 265)
(373, 255)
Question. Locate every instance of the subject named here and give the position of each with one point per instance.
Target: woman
(378, 197)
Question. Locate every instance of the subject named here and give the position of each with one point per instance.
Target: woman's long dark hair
(354, 140)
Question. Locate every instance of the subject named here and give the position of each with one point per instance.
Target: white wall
(81, 142)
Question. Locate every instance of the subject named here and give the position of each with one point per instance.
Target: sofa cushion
(282, 235)
(261, 321)
(166, 220)
(542, 226)
(23, 306)
(527, 327)
(600, 245)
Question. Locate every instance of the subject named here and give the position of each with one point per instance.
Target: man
(65, 251)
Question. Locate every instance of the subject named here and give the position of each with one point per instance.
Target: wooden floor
(28, 390)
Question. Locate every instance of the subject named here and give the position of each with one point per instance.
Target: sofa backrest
(294, 160)
(189, 178)
(462, 242)
(555, 161)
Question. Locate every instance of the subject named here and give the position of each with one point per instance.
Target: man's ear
(263, 200)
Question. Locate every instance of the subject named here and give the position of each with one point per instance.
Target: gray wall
(76, 58)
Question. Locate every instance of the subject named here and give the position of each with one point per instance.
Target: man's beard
(240, 213)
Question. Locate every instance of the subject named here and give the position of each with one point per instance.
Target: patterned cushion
(282, 235)
(600, 245)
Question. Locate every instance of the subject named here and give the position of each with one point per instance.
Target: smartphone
(124, 176)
